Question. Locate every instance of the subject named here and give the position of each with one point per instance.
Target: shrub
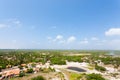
(20, 67)
(30, 70)
(21, 74)
(3, 66)
(38, 78)
(46, 70)
(94, 77)
(100, 68)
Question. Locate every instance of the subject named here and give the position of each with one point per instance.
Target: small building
(11, 72)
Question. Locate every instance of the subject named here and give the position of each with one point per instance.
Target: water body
(76, 69)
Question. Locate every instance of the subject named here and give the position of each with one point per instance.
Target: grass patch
(75, 76)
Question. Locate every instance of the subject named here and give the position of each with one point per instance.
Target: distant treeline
(18, 57)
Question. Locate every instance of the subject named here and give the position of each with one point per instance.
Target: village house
(10, 73)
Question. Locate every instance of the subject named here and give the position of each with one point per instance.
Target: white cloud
(10, 23)
(71, 39)
(60, 42)
(14, 23)
(3, 25)
(17, 22)
(94, 38)
(113, 32)
(59, 37)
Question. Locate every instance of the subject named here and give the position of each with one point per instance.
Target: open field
(48, 76)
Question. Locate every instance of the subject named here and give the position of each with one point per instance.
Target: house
(11, 72)
(23, 65)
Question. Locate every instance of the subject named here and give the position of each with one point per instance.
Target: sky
(60, 24)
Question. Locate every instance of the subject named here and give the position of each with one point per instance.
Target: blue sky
(60, 24)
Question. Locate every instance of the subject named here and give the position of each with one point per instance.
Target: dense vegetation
(106, 59)
(16, 58)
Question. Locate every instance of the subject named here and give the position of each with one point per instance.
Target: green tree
(3, 66)
(30, 70)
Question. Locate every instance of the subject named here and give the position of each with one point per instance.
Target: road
(65, 76)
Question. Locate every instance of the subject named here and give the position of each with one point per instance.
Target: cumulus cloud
(71, 39)
(10, 23)
(59, 37)
(113, 32)
(92, 43)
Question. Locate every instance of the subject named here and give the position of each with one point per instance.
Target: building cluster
(16, 70)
